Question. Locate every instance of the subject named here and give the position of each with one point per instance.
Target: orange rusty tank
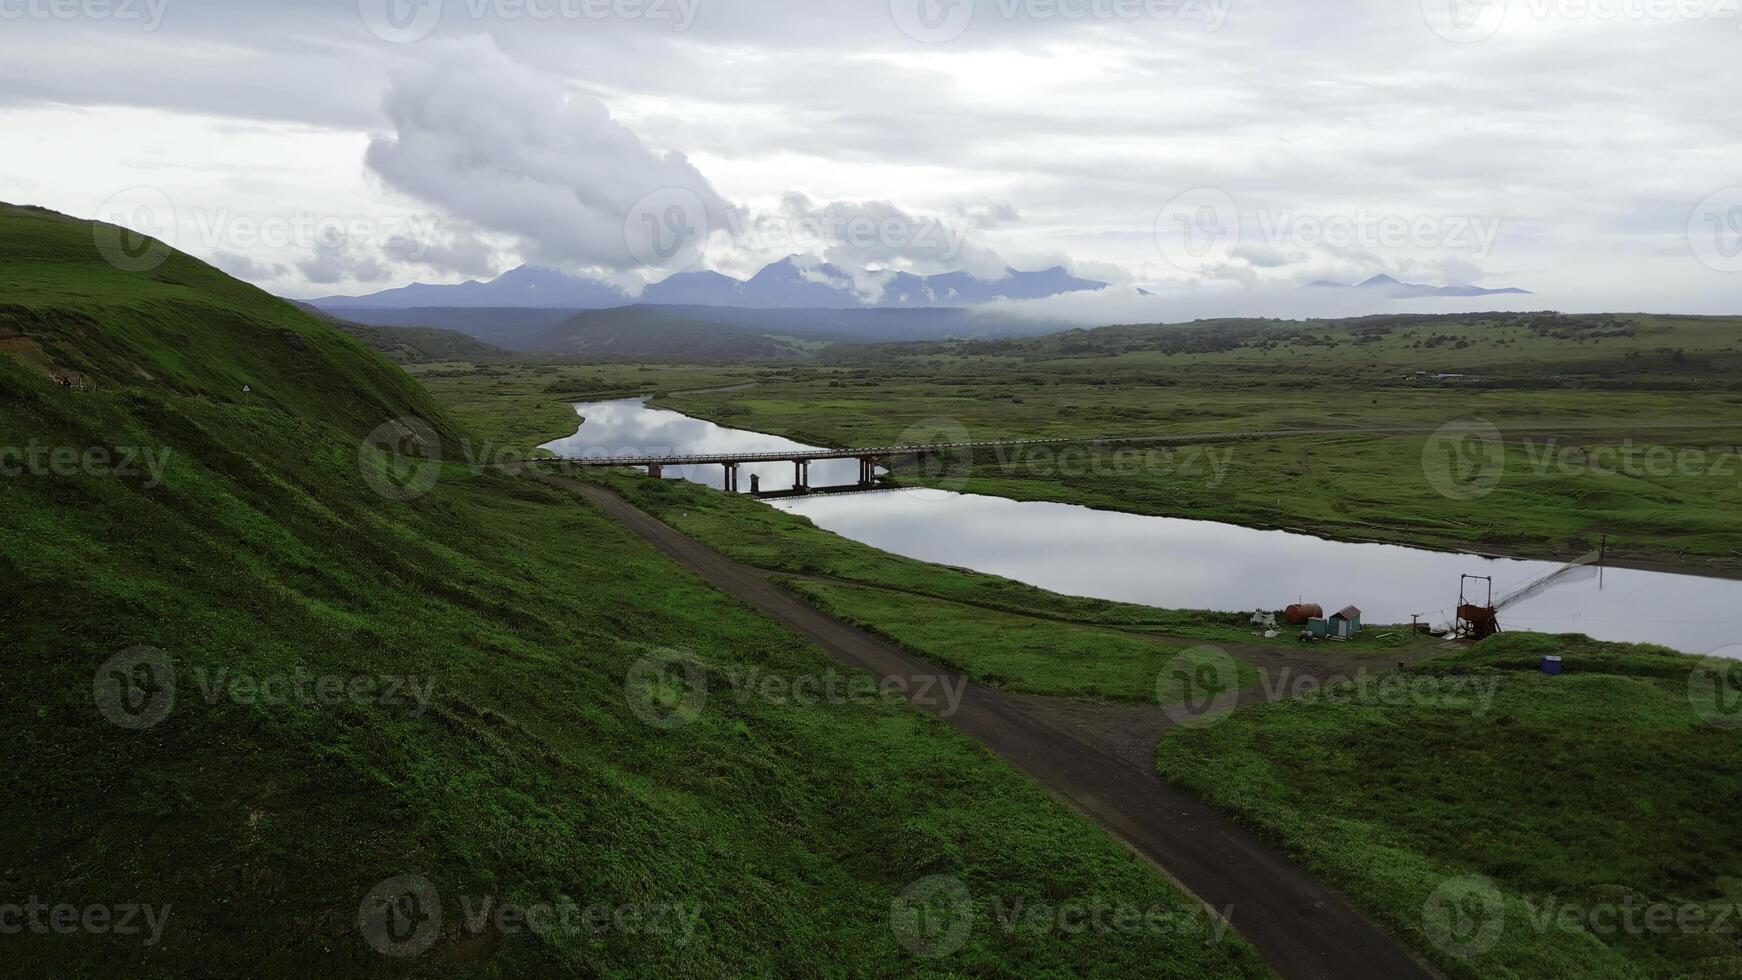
(1298, 614)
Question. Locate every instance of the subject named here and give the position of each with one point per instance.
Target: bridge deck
(792, 456)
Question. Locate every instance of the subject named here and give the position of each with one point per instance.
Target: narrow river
(1181, 564)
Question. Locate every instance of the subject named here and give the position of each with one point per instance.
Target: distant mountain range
(789, 284)
(1396, 289)
(701, 332)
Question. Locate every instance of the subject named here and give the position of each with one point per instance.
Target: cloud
(512, 150)
(462, 253)
(880, 235)
(338, 260)
(243, 267)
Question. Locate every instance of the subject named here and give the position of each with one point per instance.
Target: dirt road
(1300, 927)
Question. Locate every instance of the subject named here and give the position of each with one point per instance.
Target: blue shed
(1346, 623)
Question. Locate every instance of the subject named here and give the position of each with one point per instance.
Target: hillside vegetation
(287, 568)
(1510, 823)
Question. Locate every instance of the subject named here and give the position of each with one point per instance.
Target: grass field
(579, 739)
(1619, 426)
(1018, 653)
(1570, 800)
(1565, 802)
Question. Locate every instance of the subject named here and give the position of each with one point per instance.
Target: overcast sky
(1218, 153)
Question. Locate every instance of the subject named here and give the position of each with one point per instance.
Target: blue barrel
(1553, 666)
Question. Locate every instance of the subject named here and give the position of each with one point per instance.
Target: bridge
(869, 459)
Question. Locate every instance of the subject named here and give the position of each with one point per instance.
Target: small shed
(1346, 623)
(1318, 629)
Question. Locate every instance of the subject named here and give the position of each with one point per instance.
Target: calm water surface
(1180, 564)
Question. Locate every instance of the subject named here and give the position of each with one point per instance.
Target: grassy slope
(421, 345)
(1146, 381)
(790, 828)
(1599, 787)
(1020, 653)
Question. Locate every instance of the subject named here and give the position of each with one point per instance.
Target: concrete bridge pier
(731, 478)
(801, 478)
(867, 471)
(657, 471)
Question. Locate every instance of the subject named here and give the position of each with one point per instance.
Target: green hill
(422, 345)
(369, 666)
(649, 334)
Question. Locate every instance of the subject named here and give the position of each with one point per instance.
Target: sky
(1216, 154)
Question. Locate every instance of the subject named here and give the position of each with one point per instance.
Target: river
(1180, 564)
